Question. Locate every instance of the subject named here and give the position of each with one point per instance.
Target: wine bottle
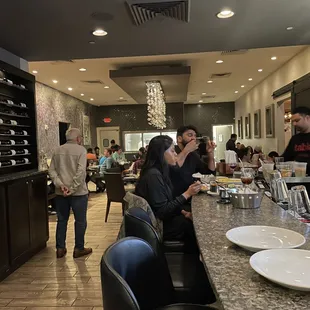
(7, 132)
(10, 122)
(7, 153)
(22, 142)
(22, 161)
(20, 152)
(1, 121)
(7, 142)
(23, 105)
(5, 163)
(21, 133)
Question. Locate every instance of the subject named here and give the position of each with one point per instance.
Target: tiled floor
(48, 283)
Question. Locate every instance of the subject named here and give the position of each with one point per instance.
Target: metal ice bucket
(246, 201)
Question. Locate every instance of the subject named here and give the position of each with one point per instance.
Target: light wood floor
(48, 283)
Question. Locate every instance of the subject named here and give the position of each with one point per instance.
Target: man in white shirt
(68, 173)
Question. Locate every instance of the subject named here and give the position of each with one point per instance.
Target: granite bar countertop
(236, 284)
(20, 175)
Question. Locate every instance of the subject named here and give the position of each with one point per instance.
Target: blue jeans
(79, 208)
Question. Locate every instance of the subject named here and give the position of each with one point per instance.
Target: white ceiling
(242, 67)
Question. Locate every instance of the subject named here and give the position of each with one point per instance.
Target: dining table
(236, 285)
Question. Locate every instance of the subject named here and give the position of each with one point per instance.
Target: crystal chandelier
(156, 106)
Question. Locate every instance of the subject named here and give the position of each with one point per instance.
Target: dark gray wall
(203, 116)
(134, 117)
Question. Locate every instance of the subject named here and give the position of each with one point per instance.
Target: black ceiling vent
(142, 11)
(93, 82)
(62, 62)
(220, 75)
(234, 52)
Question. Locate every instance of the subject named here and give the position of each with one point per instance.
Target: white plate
(257, 238)
(197, 175)
(287, 267)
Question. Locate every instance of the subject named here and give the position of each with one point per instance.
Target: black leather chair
(132, 279)
(188, 276)
(115, 190)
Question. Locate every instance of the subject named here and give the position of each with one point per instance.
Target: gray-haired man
(68, 173)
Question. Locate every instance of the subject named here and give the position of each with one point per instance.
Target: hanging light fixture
(156, 108)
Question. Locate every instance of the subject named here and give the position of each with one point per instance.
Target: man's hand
(190, 147)
(65, 191)
(187, 215)
(210, 147)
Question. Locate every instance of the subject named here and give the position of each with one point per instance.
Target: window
(147, 137)
(134, 140)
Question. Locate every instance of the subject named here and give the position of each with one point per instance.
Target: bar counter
(236, 285)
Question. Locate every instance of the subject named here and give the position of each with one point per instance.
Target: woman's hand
(192, 190)
(187, 215)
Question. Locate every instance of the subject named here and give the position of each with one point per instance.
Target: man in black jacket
(231, 143)
(188, 160)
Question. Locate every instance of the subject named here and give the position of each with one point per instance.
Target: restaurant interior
(209, 97)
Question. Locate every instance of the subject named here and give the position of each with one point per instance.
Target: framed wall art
(257, 124)
(247, 126)
(269, 113)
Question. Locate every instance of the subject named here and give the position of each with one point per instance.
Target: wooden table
(236, 284)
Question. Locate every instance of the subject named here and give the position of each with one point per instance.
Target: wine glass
(247, 176)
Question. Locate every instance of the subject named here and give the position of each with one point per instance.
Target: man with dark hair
(231, 143)
(114, 146)
(298, 148)
(272, 155)
(188, 160)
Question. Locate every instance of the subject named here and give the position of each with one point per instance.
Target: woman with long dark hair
(155, 187)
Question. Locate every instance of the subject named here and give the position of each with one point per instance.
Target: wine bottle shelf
(16, 145)
(17, 155)
(18, 120)
(13, 105)
(14, 115)
(15, 165)
(11, 125)
(19, 136)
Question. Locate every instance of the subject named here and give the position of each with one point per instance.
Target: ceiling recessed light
(236, 92)
(289, 28)
(250, 79)
(219, 61)
(99, 33)
(204, 94)
(260, 70)
(210, 81)
(200, 101)
(34, 71)
(106, 86)
(82, 95)
(121, 98)
(225, 14)
(242, 86)
(91, 99)
(70, 88)
(92, 42)
(273, 58)
(82, 69)
(55, 81)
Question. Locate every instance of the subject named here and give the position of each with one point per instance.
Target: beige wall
(261, 96)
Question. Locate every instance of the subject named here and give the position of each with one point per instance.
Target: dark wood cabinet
(19, 219)
(37, 211)
(23, 220)
(4, 257)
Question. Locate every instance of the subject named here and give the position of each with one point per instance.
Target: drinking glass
(278, 160)
(300, 169)
(247, 176)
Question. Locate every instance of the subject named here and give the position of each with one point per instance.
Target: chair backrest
(138, 224)
(114, 186)
(131, 277)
